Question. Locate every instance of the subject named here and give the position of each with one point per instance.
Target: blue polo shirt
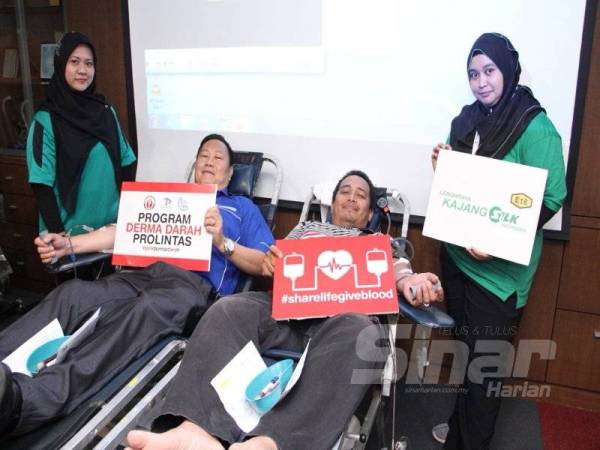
(244, 224)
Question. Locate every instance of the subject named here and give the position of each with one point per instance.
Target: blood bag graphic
(293, 266)
(377, 262)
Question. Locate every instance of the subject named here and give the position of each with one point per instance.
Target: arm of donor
(248, 260)
(417, 288)
(414, 290)
(51, 246)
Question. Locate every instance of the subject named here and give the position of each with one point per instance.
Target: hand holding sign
(268, 264)
(478, 254)
(213, 223)
(436, 152)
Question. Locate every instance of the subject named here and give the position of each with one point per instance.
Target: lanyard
(475, 143)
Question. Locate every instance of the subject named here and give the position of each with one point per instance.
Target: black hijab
(79, 120)
(499, 127)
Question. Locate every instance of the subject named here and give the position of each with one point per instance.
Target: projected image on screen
(286, 88)
(331, 85)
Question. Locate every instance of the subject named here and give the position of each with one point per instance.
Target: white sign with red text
(325, 276)
(164, 222)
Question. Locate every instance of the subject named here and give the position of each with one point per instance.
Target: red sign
(320, 277)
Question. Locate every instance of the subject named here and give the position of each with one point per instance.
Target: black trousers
(345, 355)
(479, 316)
(138, 309)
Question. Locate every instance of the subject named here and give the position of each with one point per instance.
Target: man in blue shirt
(138, 308)
(243, 225)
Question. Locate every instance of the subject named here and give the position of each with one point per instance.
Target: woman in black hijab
(77, 156)
(485, 294)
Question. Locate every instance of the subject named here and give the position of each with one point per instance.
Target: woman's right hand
(478, 254)
(436, 152)
(51, 246)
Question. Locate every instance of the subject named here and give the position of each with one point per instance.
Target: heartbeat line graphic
(376, 262)
(333, 265)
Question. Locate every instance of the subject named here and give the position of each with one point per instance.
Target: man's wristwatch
(228, 246)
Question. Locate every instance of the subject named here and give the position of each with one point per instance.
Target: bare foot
(256, 443)
(187, 436)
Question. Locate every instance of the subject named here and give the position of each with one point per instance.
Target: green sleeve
(46, 172)
(127, 155)
(542, 147)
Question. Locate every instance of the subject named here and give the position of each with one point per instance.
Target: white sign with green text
(485, 203)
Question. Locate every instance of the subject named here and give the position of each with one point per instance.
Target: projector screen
(332, 85)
